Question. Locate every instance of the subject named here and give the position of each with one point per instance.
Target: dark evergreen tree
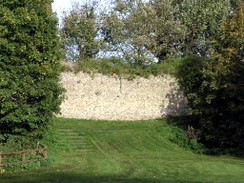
(30, 92)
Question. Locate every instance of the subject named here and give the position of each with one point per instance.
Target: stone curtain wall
(113, 98)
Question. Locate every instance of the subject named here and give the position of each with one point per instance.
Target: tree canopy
(79, 31)
(30, 92)
(143, 32)
(215, 88)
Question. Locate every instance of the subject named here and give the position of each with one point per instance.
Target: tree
(215, 88)
(79, 32)
(202, 19)
(143, 32)
(30, 92)
(229, 43)
(167, 31)
(125, 31)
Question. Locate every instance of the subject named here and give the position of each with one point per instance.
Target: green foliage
(79, 31)
(125, 33)
(30, 92)
(179, 137)
(214, 92)
(202, 20)
(166, 30)
(23, 166)
(57, 145)
(143, 32)
(111, 66)
(179, 133)
(190, 78)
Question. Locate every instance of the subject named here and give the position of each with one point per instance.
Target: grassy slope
(135, 152)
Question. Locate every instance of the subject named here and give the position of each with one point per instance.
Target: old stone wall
(115, 98)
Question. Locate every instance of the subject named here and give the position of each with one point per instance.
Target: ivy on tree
(30, 92)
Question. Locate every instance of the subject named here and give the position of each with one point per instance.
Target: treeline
(141, 31)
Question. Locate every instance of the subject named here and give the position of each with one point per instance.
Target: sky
(65, 5)
(61, 5)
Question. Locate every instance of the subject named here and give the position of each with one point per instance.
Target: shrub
(215, 98)
(30, 92)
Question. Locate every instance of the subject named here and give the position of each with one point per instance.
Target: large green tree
(79, 32)
(166, 30)
(202, 19)
(30, 92)
(125, 30)
(215, 88)
(143, 31)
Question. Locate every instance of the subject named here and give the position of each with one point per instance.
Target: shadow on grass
(64, 177)
(190, 127)
(182, 121)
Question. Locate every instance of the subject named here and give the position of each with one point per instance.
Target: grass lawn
(126, 151)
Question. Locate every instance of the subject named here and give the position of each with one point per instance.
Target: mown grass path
(134, 152)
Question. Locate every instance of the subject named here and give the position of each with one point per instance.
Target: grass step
(83, 150)
(79, 142)
(65, 130)
(71, 133)
(76, 137)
